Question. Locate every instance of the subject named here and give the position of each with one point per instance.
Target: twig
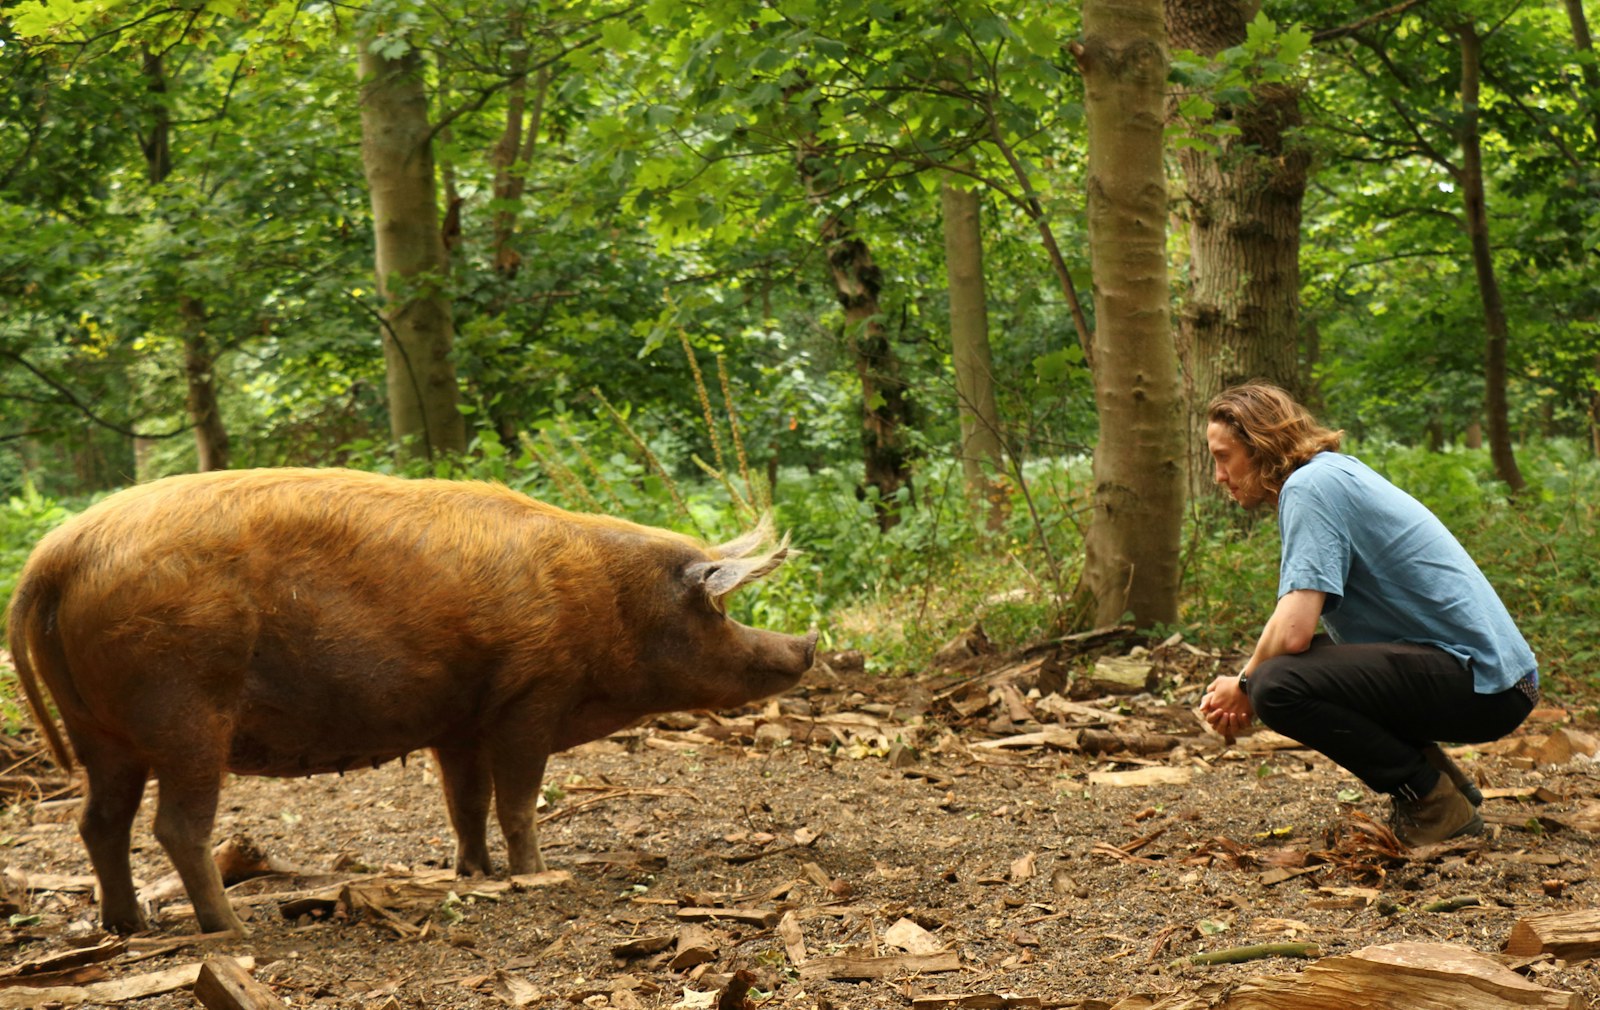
(1254, 952)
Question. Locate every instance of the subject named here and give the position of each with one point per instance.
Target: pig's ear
(742, 545)
(720, 577)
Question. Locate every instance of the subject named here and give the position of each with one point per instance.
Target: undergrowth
(897, 596)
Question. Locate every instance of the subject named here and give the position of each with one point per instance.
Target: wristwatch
(1244, 684)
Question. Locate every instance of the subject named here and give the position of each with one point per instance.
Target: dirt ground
(860, 842)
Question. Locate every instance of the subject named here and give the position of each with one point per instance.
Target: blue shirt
(1391, 571)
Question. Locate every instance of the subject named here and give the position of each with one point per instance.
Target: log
(223, 984)
(1400, 975)
(1571, 936)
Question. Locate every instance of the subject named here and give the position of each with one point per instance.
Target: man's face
(1235, 467)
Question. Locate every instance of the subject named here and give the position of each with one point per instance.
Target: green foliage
(25, 517)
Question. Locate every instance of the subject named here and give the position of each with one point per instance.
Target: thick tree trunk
(982, 454)
(1477, 220)
(411, 262)
(1132, 545)
(1241, 205)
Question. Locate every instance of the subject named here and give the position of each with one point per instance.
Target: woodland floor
(961, 801)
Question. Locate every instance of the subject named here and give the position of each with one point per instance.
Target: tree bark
(1591, 73)
(205, 411)
(982, 453)
(1240, 318)
(511, 155)
(412, 266)
(1470, 177)
(885, 408)
(1132, 546)
(200, 400)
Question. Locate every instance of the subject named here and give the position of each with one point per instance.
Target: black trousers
(1371, 708)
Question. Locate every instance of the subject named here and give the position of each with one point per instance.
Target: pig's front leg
(518, 773)
(467, 786)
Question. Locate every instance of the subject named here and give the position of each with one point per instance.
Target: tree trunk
(885, 409)
(1477, 221)
(201, 402)
(1132, 545)
(511, 155)
(205, 412)
(982, 454)
(1241, 206)
(412, 266)
(1591, 73)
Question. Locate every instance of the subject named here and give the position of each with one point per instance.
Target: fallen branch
(1254, 952)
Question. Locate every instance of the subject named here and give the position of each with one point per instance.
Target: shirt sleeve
(1316, 545)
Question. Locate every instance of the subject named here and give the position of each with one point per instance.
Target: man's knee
(1274, 688)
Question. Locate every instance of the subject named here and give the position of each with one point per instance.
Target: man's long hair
(1278, 433)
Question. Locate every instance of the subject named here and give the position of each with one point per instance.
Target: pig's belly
(283, 736)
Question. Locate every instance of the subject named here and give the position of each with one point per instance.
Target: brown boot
(1440, 760)
(1443, 813)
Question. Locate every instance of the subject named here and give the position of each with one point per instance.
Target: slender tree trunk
(1132, 545)
(885, 408)
(1477, 221)
(412, 265)
(982, 454)
(200, 401)
(511, 155)
(1591, 73)
(857, 282)
(1241, 206)
(1584, 43)
(205, 412)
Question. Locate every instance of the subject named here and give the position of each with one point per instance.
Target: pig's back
(336, 616)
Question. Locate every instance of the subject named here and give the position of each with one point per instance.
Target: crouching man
(1419, 648)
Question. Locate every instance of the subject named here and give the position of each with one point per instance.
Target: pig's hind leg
(186, 812)
(467, 787)
(517, 776)
(115, 787)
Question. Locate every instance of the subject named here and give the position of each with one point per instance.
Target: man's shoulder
(1328, 470)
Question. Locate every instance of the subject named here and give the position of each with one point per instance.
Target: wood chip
(1401, 974)
(763, 917)
(912, 938)
(843, 968)
(1156, 775)
(115, 991)
(1571, 936)
(794, 944)
(223, 984)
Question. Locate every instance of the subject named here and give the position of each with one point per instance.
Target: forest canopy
(864, 264)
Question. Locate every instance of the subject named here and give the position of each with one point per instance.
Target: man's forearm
(1290, 627)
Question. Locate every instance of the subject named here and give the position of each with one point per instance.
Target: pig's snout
(811, 651)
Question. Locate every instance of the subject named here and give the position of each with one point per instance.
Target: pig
(288, 622)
